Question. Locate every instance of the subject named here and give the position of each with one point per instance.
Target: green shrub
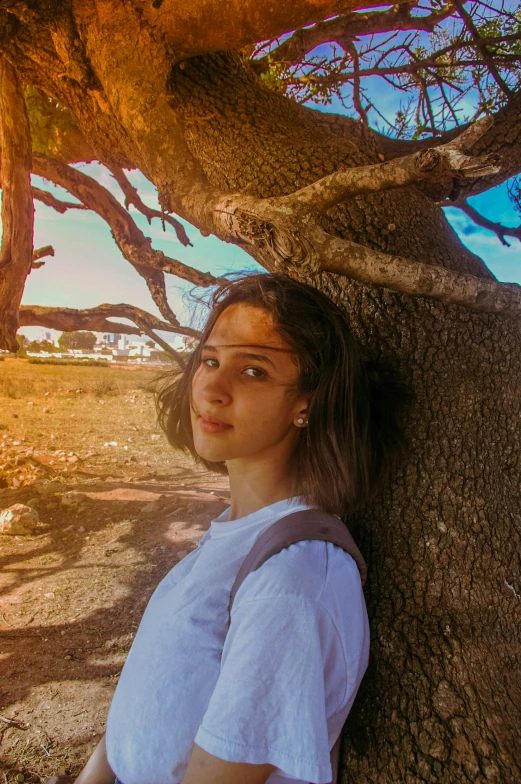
(57, 361)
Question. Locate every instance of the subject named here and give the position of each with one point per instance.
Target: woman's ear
(304, 406)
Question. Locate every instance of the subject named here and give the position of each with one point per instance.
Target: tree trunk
(441, 701)
(16, 251)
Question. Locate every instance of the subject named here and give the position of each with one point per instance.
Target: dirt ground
(118, 509)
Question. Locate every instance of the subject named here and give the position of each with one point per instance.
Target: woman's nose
(216, 389)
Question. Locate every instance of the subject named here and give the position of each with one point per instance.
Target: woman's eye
(257, 370)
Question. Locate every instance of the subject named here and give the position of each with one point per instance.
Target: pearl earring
(300, 421)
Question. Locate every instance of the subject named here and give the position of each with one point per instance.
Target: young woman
(277, 396)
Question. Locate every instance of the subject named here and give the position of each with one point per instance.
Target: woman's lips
(212, 427)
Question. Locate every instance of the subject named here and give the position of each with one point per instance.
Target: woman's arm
(97, 770)
(204, 768)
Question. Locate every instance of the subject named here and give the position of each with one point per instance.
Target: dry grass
(72, 593)
(20, 379)
(97, 416)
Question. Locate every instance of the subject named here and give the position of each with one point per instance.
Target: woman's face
(255, 396)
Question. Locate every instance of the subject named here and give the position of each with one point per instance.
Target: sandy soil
(72, 594)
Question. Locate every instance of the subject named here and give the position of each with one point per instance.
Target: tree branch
(232, 26)
(330, 80)
(39, 253)
(48, 250)
(51, 201)
(305, 247)
(166, 346)
(443, 167)
(499, 230)
(344, 29)
(95, 319)
(425, 280)
(482, 47)
(503, 139)
(132, 197)
(16, 253)
(135, 247)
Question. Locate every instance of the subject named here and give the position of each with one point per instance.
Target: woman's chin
(212, 455)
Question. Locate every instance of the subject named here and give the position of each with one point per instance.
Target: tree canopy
(77, 340)
(74, 89)
(220, 107)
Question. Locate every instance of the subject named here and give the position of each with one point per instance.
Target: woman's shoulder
(308, 570)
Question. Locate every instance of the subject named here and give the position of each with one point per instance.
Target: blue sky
(88, 269)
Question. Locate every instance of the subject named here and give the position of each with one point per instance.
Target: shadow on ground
(71, 598)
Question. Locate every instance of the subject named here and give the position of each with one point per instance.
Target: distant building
(112, 338)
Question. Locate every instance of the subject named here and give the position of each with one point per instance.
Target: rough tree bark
(16, 254)
(441, 701)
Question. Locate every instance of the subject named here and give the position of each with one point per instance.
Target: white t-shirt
(277, 689)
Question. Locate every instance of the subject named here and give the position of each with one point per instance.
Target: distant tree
(150, 344)
(41, 345)
(68, 341)
(22, 343)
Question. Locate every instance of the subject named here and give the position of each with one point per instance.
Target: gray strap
(290, 529)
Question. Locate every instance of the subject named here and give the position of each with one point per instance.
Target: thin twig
(14, 723)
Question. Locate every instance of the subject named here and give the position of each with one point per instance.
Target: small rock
(153, 506)
(110, 443)
(201, 518)
(81, 529)
(72, 459)
(155, 437)
(182, 553)
(18, 520)
(49, 595)
(72, 498)
(30, 403)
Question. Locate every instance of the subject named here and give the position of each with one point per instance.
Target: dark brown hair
(344, 455)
